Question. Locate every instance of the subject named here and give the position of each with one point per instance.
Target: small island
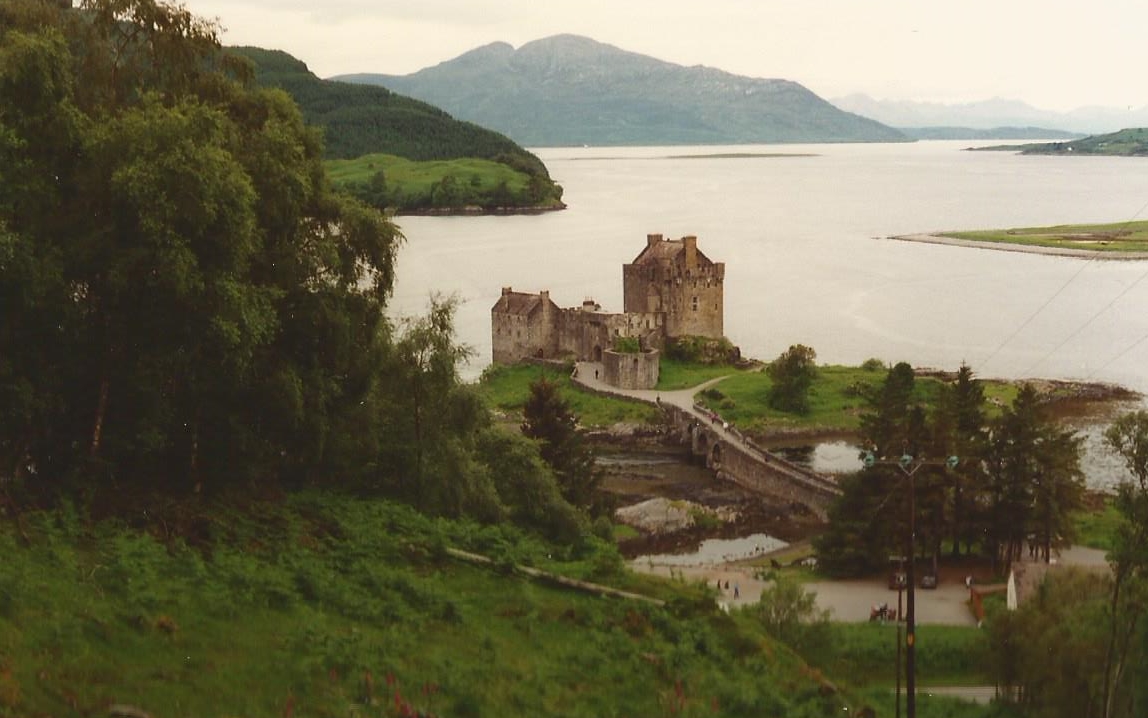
(1121, 240)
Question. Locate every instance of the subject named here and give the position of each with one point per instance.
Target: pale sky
(1052, 54)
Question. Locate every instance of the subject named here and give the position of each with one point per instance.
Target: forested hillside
(359, 120)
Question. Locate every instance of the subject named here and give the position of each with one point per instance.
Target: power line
(1059, 291)
(1091, 319)
(1036, 313)
(1116, 358)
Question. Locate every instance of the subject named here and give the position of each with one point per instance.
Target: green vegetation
(791, 375)
(507, 388)
(1130, 142)
(1122, 237)
(1018, 479)
(1096, 528)
(340, 606)
(675, 374)
(701, 350)
(386, 181)
(360, 120)
(837, 398)
(627, 345)
(547, 419)
(946, 655)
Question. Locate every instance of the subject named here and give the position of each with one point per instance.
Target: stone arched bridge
(725, 450)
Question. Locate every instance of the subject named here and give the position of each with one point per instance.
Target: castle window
(695, 304)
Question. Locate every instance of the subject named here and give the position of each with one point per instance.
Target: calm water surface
(807, 257)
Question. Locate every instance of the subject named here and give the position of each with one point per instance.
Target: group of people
(736, 588)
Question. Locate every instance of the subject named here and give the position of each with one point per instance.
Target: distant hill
(988, 114)
(368, 122)
(571, 90)
(1131, 142)
(994, 133)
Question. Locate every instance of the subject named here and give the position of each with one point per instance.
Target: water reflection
(827, 457)
(716, 551)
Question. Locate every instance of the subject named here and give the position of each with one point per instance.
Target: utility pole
(909, 466)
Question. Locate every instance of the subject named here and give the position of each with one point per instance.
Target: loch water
(804, 231)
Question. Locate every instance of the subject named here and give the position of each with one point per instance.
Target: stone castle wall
(631, 370)
(535, 335)
(671, 290)
(689, 291)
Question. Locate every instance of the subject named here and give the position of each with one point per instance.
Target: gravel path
(850, 600)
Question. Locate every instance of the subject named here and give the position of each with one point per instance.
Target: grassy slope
(416, 178)
(330, 606)
(508, 387)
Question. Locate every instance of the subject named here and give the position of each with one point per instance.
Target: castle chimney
(691, 244)
(506, 290)
(545, 295)
(652, 239)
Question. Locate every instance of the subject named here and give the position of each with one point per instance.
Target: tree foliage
(1017, 479)
(186, 306)
(1125, 672)
(548, 418)
(792, 374)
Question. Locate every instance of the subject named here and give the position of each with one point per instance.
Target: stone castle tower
(670, 290)
(674, 278)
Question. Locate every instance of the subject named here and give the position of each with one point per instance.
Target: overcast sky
(1053, 54)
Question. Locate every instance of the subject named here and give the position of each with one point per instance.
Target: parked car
(929, 580)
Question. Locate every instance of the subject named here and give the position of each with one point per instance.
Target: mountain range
(994, 113)
(571, 90)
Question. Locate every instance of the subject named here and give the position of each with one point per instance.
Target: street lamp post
(909, 466)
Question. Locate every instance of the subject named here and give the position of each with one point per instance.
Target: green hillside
(358, 120)
(326, 606)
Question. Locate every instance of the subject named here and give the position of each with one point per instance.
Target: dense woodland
(186, 306)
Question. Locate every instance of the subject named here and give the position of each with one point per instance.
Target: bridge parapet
(737, 458)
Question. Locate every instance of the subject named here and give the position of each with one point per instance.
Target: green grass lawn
(946, 655)
(414, 179)
(1096, 528)
(836, 399)
(508, 387)
(674, 375)
(1118, 237)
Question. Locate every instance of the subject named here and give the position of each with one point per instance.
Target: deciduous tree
(792, 374)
